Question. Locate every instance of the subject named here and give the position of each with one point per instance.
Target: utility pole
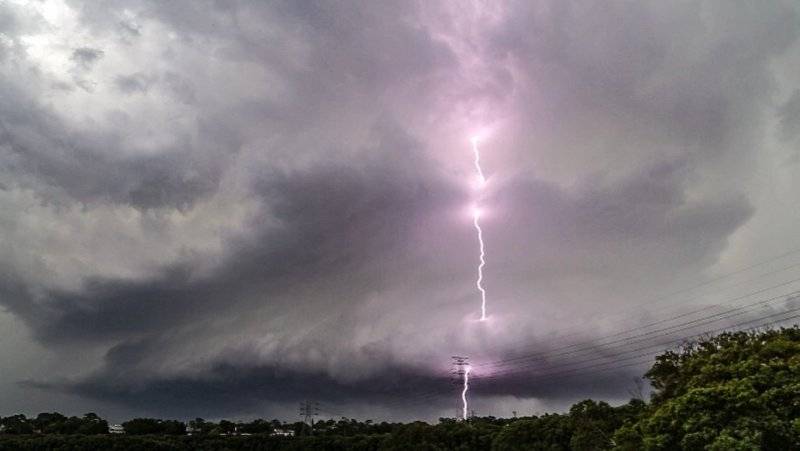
(308, 410)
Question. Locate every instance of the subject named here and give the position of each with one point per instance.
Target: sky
(220, 209)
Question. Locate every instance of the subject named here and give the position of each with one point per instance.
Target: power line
(613, 365)
(480, 381)
(623, 360)
(687, 327)
(626, 340)
(616, 364)
(562, 337)
(725, 276)
(704, 295)
(593, 345)
(594, 341)
(690, 288)
(659, 345)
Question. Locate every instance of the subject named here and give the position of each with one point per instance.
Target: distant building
(283, 432)
(116, 429)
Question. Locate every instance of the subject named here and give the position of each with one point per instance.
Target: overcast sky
(221, 208)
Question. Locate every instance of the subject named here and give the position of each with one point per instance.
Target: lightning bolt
(460, 362)
(477, 154)
(464, 392)
(476, 214)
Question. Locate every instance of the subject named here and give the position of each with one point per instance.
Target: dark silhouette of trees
(143, 426)
(54, 423)
(17, 424)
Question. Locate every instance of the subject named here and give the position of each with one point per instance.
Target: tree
(733, 391)
(143, 426)
(49, 422)
(173, 427)
(549, 432)
(200, 426)
(257, 426)
(227, 427)
(592, 423)
(17, 424)
(92, 424)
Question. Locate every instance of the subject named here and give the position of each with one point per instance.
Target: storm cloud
(221, 208)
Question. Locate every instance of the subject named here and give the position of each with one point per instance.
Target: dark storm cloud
(230, 389)
(235, 384)
(38, 148)
(631, 126)
(646, 206)
(334, 220)
(327, 218)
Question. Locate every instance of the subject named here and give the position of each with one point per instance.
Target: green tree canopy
(733, 391)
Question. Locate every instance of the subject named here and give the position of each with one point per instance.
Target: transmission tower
(459, 365)
(461, 370)
(308, 410)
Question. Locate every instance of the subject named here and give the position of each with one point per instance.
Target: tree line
(733, 391)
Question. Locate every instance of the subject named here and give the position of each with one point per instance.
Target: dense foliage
(54, 423)
(733, 391)
(737, 391)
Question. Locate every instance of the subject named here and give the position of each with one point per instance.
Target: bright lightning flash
(476, 214)
(476, 152)
(464, 392)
